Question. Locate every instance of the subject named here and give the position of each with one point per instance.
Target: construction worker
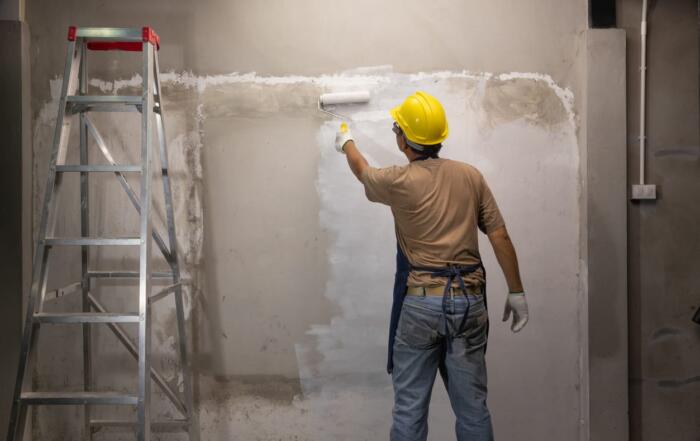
(439, 317)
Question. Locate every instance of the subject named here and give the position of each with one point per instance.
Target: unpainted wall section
(313, 37)
(606, 211)
(664, 238)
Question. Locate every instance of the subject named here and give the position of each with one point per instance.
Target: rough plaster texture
(315, 37)
(314, 344)
(283, 347)
(664, 239)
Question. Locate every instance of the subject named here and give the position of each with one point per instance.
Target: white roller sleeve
(361, 96)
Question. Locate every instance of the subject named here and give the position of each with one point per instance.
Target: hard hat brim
(395, 114)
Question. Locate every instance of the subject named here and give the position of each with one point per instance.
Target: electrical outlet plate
(643, 192)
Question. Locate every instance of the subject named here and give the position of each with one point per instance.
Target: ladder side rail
(42, 290)
(144, 380)
(18, 412)
(20, 424)
(172, 238)
(84, 249)
(167, 191)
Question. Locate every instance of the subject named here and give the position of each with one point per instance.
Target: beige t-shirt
(438, 204)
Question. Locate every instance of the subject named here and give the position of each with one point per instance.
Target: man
(439, 318)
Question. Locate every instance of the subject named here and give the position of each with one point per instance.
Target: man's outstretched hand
(343, 136)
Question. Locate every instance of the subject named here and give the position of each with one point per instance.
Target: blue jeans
(418, 350)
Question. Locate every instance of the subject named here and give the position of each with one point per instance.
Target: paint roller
(342, 98)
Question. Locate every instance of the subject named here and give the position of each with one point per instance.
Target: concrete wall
(12, 10)
(15, 127)
(289, 269)
(664, 239)
(606, 245)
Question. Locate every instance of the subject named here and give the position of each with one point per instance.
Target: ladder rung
(69, 241)
(86, 317)
(133, 100)
(98, 168)
(164, 292)
(155, 425)
(77, 398)
(127, 274)
(74, 108)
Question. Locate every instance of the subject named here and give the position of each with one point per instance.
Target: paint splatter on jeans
(418, 350)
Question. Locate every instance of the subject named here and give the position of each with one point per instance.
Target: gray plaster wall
(664, 238)
(286, 306)
(606, 245)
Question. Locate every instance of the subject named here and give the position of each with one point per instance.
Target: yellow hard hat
(422, 119)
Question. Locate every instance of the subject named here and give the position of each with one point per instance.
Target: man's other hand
(517, 304)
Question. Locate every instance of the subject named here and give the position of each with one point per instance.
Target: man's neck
(416, 157)
(412, 156)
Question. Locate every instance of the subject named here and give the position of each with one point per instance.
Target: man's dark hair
(423, 150)
(426, 151)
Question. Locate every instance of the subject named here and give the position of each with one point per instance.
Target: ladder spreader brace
(75, 100)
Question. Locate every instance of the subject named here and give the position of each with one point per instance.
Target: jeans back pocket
(475, 331)
(418, 326)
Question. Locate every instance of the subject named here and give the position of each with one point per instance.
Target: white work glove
(344, 135)
(516, 302)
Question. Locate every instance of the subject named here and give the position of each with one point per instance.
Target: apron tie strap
(403, 268)
(452, 273)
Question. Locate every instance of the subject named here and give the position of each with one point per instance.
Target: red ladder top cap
(148, 35)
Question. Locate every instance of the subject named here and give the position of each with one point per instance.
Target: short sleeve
(379, 182)
(490, 218)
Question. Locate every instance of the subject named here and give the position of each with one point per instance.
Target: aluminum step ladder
(75, 100)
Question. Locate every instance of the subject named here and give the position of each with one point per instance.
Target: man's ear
(402, 143)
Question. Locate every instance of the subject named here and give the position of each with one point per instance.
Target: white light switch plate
(640, 192)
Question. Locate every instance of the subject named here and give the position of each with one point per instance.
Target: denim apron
(452, 273)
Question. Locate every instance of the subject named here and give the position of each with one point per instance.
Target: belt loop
(424, 292)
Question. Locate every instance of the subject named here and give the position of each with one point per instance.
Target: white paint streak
(104, 86)
(446, 74)
(115, 86)
(373, 77)
(200, 83)
(358, 78)
(521, 161)
(373, 116)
